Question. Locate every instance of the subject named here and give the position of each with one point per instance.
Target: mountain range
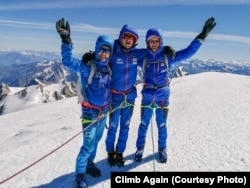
(39, 70)
(21, 69)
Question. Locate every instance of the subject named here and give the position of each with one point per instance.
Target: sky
(30, 25)
(208, 130)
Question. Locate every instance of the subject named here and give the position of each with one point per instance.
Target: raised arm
(196, 43)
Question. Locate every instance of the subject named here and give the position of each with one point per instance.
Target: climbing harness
(99, 116)
(124, 103)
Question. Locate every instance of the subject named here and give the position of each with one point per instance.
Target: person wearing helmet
(156, 91)
(96, 98)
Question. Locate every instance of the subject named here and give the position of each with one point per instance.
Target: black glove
(64, 31)
(209, 25)
(88, 57)
(169, 51)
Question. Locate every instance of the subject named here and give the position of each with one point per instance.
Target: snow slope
(208, 130)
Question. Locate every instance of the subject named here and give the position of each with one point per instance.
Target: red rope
(7, 179)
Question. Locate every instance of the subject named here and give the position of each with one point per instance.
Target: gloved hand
(209, 25)
(169, 51)
(64, 31)
(88, 57)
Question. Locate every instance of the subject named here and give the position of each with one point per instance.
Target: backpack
(141, 70)
(145, 62)
(93, 72)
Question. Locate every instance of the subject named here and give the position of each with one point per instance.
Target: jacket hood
(103, 40)
(128, 29)
(154, 32)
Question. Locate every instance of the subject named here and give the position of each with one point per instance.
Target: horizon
(30, 25)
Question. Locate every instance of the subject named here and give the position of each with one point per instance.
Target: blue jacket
(124, 67)
(156, 83)
(98, 92)
(124, 63)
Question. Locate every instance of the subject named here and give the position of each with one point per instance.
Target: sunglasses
(104, 50)
(127, 36)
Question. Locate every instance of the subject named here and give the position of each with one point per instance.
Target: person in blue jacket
(156, 91)
(123, 64)
(96, 98)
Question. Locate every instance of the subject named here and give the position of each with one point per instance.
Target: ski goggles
(104, 50)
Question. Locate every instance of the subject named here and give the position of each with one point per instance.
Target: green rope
(154, 105)
(86, 121)
(123, 104)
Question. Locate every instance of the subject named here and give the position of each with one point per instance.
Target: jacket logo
(119, 61)
(134, 60)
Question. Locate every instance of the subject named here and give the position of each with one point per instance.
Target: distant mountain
(50, 70)
(42, 75)
(194, 66)
(16, 97)
(8, 58)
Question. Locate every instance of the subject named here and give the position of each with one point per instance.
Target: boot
(111, 159)
(93, 170)
(138, 155)
(163, 156)
(81, 181)
(119, 160)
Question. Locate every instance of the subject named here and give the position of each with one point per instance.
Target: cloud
(230, 38)
(65, 4)
(87, 28)
(81, 27)
(25, 24)
(218, 37)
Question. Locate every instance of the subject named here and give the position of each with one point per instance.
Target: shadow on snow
(67, 180)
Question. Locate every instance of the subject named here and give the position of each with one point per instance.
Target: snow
(208, 130)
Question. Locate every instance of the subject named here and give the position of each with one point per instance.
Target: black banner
(181, 179)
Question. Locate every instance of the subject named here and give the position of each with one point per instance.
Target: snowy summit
(208, 130)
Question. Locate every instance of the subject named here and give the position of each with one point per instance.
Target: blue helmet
(103, 40)
(154, 32)
(128, 29)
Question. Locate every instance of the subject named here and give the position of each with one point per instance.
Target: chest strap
(121, 92)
